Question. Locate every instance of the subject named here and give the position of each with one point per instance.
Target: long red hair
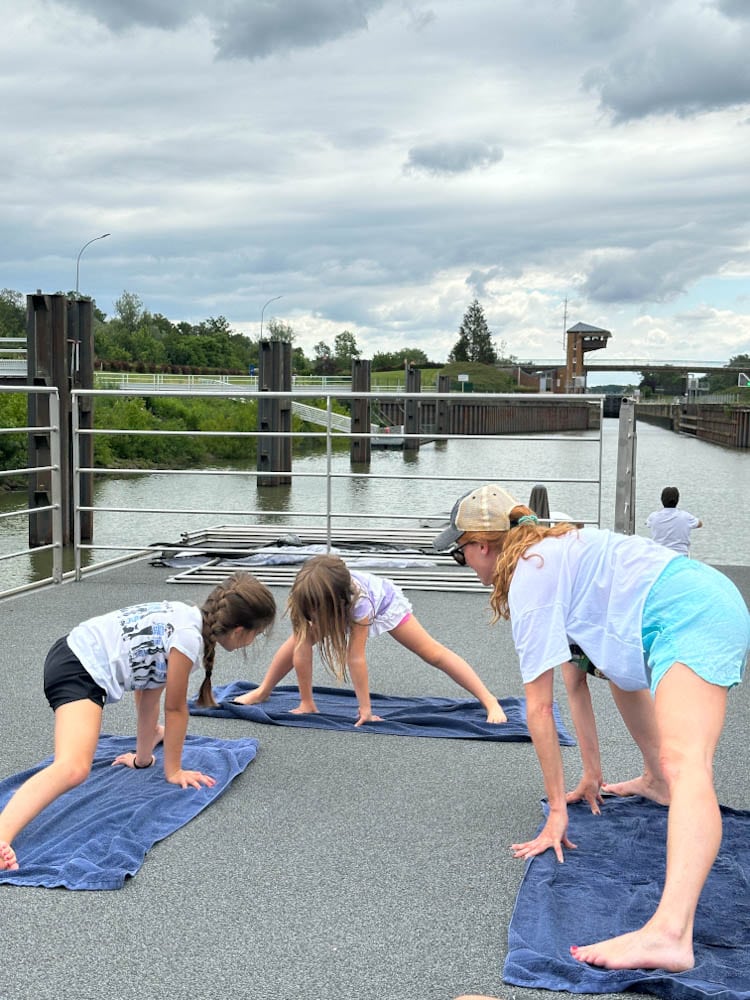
(511, 545)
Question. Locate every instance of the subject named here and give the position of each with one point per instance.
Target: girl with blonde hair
(337, 610)
(147, 649)
(650, 619)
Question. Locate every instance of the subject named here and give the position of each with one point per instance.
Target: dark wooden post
(442, 409)
(411, 408)
(60, 352)
(274, 375)
(361, 447)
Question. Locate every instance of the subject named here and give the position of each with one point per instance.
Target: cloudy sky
(380, 163)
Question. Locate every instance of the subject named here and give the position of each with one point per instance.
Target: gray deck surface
(338, 866)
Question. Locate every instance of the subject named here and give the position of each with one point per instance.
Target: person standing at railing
(337, 610)
(147, 649)
(650, 619)
(670, 526)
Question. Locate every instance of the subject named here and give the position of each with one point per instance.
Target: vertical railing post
(626, 458)
(56, 487)
(81, 329)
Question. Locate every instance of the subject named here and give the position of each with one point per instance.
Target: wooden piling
(59, 352)
(412, 416)
(360, 450)
(274, 415)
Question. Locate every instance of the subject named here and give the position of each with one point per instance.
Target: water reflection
(713, 483)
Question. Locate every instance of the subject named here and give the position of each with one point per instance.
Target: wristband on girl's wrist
(142, 767)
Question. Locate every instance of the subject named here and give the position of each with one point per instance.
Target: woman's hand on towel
(190, 779)
(553, 835)
(587, 790)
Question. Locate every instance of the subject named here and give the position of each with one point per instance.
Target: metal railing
(326, 522)
(382, 382)
(327, 509)
(12, 357)
(53, 508)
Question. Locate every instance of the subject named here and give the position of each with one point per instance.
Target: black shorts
(66, 679)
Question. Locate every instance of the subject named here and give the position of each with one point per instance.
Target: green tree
(12, 314)
(13, 447)
(279, 330)
(388, 361)
(323, 363)
(129, 311)
(300, 364)
(723, 381)
(474, 338)
(662, 382)
(345, 350)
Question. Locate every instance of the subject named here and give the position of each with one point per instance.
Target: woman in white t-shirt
(648, 618)
(147, 649)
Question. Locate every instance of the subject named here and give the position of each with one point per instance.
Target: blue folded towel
(611, 884)
(96, 835)
(457, 719)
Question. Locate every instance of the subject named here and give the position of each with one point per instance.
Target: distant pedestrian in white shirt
(670, 526)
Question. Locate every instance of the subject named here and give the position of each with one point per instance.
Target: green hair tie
(528, 519)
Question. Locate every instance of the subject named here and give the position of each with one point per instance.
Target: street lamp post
(78, 258)
(264, 309)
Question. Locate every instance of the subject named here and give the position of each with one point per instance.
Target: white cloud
(380, 163)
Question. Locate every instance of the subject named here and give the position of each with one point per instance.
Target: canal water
(714, 484)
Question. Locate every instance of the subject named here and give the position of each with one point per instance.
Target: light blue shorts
(695, 615)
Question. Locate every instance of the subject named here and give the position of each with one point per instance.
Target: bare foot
(251, 698)
(159, 737)
(8, 862)
(643, 949)
(305, 709)
(648, 787)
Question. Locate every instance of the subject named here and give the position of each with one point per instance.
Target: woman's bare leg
(690, 716)
(639, 715)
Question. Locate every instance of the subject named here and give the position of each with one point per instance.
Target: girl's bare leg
(639, 715)
(418, 640)
(303, 667)
(77, 727)
(281, 665)
(690, 715)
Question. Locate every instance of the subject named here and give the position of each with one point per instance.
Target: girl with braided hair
(147, 648)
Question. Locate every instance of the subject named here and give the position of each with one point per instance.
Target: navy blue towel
(447, 717)
(612, 884)
(97, 834)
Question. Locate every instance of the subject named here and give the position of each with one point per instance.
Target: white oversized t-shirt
(127, 650)
(590, 590)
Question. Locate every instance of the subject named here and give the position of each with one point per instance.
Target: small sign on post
(462, 379)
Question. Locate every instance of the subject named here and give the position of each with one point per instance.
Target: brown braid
(240, 601)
